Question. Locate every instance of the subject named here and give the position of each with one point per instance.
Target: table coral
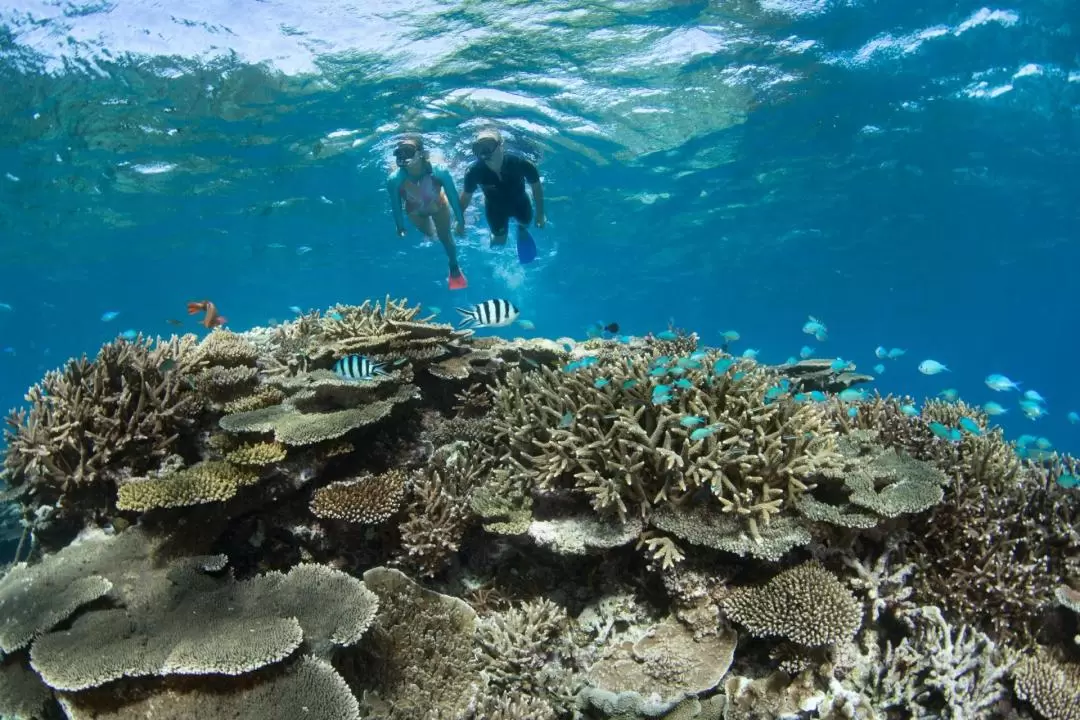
(307, 687)
(207, 482)
(367, 500)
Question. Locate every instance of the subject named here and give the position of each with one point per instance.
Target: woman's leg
(422, 223)
(442, 227)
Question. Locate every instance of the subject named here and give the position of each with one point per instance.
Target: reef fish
(357, 367)
(993, 408)
(816, 328)
(109, 316)
(932, 367)
(1000, 382)
(490, 313)
(211, 319)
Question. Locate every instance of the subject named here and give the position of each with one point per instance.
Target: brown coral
(805, 604)
(241, 626)
(600, 430)
(257, 454)
(1049, 684)
(419, 653)
(95, 420)
(368, 500)
(206, 482)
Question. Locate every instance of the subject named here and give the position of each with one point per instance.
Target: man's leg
(498, 217)
(523, 212)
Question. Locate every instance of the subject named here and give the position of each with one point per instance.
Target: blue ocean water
(908, 173)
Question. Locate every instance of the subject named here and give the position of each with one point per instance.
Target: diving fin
(526, 246)
(457, 282)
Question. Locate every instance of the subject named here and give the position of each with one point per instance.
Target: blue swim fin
(526, 246)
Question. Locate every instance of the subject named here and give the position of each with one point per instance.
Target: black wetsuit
(504, 197)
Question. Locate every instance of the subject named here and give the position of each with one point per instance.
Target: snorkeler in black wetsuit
(502, 176)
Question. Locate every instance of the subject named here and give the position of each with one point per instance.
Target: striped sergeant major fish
(357, 367)
(490, 313)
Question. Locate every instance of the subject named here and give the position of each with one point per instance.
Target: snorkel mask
(405, 151)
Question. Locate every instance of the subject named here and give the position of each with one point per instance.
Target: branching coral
(1004, 536)
(438, 515)
(614, 432)
(1050, 685)
(517, 648)
(806, 604)
(95, 420)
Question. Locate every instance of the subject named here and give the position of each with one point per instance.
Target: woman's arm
(447, 181)
(393, 187)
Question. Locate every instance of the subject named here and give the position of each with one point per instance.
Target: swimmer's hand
(459, 229)
(540, 221)
(401, 232)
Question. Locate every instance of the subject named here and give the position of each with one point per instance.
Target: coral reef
(533, 529)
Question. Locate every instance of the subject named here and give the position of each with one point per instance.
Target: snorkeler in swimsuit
(502, 176)
(426, 193)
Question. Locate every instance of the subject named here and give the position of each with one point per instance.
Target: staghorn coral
(436, 523)
(308, 687)
(938, 671)
(207, 482)
(257, 454)
(93, 421)
(805, 604)
(242, 625)
(1049, 684)
(472, 402)
(368, 500)
(521, 649)
(599, 430)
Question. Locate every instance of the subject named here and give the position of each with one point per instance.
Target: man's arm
(467, 189)
(538, 198)
(532, 175)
